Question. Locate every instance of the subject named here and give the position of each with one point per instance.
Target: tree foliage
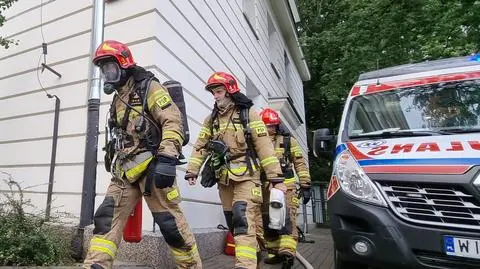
(344, 38)
(4, 4)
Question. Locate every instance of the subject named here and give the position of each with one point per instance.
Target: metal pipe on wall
(91, 148)
(53, 157)
(305, 218)
(90, 165)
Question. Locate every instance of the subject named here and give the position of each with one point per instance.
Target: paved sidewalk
(319, 254)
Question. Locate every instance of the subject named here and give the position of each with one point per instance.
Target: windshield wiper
(461, 130)
(390, 134)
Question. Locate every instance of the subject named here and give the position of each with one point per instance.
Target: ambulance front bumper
(387, 241)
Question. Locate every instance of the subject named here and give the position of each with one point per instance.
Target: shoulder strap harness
(287, 149)
(247, 131)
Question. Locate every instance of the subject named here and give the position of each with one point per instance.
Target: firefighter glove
(209, 178)
(306, 193)
(163, 171)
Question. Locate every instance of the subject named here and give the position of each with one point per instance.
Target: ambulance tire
(342, 264)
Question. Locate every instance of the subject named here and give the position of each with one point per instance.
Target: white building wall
(182, 40)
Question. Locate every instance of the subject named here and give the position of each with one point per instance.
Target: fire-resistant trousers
(283, 242)
(241, 202)
(110, 219)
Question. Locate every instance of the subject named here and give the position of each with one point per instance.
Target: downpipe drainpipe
(91, 145)
(53, 157)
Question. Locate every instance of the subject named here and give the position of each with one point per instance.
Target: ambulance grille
(435, 204)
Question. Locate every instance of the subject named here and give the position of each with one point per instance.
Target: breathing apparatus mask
(113, 76)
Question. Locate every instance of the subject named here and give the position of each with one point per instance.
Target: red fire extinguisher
(133, 229)
(229, 244)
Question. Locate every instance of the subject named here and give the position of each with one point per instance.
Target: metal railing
(319, 203)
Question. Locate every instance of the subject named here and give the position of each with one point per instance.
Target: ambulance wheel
(342, 264)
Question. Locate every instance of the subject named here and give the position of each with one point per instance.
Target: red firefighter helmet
(114, 49)
(270, 116)
(225, 79)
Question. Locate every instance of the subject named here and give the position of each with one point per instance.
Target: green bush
(25, 238)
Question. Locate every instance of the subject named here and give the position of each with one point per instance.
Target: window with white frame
(275, 48)
(252, 91)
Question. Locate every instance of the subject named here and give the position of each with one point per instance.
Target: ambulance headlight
(354, 181)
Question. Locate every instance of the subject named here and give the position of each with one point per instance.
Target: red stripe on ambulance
(417, 169)
(387, 86)
(422, 147)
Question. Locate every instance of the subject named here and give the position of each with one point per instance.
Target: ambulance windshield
(442, 108)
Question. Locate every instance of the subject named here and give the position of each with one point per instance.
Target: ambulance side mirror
(323, 143)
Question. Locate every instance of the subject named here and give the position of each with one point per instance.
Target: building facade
(183, 40)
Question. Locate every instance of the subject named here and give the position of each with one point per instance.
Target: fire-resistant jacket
(167, 117)
(297, 161)
(230, 131)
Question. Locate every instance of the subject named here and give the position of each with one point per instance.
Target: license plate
(462, 247)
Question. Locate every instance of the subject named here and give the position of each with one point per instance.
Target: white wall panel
(59, 51)
(52, 14)
(195, 22)
(222, 33)
(22, 128)
(252, 45)
(37, 102)
(203, 215)
(14, 154)
(69, 150)
(71, 122)
(23, 7)
(72, 71)
(32, 178)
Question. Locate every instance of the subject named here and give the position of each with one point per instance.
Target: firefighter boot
(259, 258)
(287, 262)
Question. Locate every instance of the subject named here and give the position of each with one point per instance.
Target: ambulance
(405, 187)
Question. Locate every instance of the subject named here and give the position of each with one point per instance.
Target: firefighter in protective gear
(241, 130)
(282, 245)
(144, 160)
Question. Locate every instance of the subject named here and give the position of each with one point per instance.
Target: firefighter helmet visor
(110, 71)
